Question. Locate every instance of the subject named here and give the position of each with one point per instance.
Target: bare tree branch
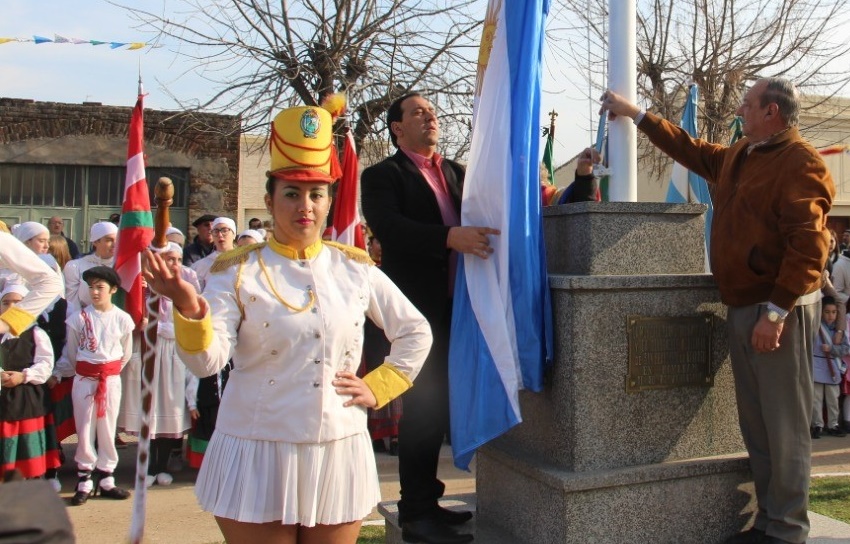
(261, 55)
(723, 46)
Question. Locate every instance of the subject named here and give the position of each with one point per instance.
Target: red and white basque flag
(346, 221)
(136, 229)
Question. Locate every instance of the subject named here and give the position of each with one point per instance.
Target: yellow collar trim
(291, 253)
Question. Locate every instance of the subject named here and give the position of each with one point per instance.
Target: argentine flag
(685, 186)
(501, 337)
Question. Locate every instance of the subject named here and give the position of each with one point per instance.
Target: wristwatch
(774, 317)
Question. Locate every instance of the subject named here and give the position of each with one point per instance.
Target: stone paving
(173, 511)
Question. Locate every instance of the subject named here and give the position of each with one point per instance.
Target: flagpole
(136, 234)
(622, 79)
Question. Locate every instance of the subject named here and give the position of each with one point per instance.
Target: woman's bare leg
(240, 532)
(344, 533)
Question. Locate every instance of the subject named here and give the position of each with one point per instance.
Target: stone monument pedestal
(635, 438)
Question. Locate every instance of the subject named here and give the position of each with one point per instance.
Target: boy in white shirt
(99, 344)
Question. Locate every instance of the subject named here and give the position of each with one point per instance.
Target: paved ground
(173, 514)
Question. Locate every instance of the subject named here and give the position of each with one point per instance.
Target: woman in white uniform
(291, 460)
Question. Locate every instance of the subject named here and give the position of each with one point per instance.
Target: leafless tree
(721, 45)
(262, 56)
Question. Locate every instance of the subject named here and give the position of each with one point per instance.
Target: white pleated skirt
(309, 484)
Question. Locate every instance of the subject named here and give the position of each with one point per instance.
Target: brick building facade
(68, 160)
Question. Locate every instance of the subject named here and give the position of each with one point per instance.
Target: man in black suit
(412, 204)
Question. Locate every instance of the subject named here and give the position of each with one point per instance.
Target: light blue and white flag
(685, 186)
(501, 336)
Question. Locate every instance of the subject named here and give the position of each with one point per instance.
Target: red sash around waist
(99, 372)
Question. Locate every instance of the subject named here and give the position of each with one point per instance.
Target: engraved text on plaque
(667, 352)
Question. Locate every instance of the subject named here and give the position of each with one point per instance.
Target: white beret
(253, 234)
(168, 248)
(29, 229)
(14, 288)
(226, 221)
(99, 230)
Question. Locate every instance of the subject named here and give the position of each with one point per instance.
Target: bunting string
(38, 40)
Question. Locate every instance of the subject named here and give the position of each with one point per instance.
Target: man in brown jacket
(769, 243)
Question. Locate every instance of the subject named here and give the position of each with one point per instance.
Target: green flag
(547, 157)
(737, 127)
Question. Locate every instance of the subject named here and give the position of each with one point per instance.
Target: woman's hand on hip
(347, 383)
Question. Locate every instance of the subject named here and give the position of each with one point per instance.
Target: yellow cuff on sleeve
(17, 319)
(193, 335)
(387, 383)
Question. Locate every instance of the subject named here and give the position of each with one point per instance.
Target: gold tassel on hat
(335, 104)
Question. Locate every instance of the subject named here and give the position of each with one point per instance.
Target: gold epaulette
(234, 256)
(353, 253)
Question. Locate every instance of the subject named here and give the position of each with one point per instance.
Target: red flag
(346, 221)
(136, 229)
(833, 149)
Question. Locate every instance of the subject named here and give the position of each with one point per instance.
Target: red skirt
(383, 423)
(199, 435)
(63, 409)
(29, 445)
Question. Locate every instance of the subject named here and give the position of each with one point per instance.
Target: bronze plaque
(668, 352)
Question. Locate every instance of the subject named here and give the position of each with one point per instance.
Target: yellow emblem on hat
(310, 123)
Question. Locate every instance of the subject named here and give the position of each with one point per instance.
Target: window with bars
(68, 186)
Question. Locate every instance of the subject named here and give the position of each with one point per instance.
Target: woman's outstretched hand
(169, 283)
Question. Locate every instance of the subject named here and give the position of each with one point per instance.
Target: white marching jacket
(287, 347)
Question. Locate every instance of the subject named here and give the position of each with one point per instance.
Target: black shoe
(430, 531)
(453, 517)
(80, 498)
(816, 432)
(752, 536)
(378, 446)
(116, 493)
(836, 431)
(393, 448)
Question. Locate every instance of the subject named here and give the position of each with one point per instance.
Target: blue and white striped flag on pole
(685, 186)
(501, 337)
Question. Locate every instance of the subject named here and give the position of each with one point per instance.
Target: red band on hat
(307, 164)
(276, 137)
(302, 175)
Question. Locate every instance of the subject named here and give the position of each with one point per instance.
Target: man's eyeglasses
(222, 231)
